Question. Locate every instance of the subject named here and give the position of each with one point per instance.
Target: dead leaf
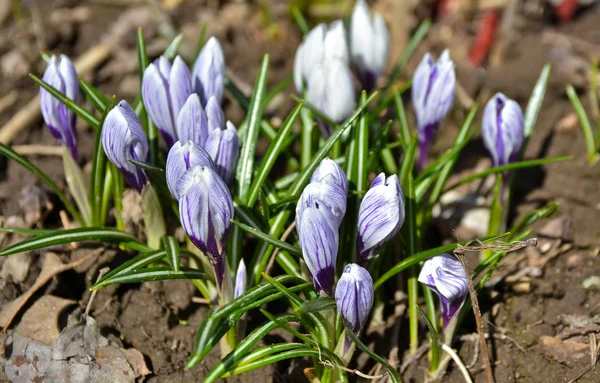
(40, 322)
(567, 351)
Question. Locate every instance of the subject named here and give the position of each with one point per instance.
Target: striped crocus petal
(330, 167)
(124, 138)
(502, 129)
(354, 295)
(329, 193)
(206, 210)
(224, 148)
(61, 75)
(240, 280)
(319, 240)
(330, 88)
(209, 71)
(445, 275)
(182, 157)
(380, 216)
(214, 114)
(192, 123)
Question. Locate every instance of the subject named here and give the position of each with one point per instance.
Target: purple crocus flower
(369, 44)
(354, 295)
(224, 148)
(165, 89)
(502, 129)
(209, 72)
(206, 210)
(433, 97)
(124, 138)
(60, 73)
(330, 185)
(240, 280)
(445, 275)
(214, 113)
(192, 123)
(380, 216)
(181, 157)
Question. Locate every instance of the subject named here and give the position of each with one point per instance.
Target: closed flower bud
(380, 216)
(214, 113)
(192, 123)
(369, 44)
(182, 157)
(206, 210)
(224, 148)
(446, 276)
(502, 129)
(165, 90)
(354, 296)
(329, 184)
(240, 280)
(330, 167)
(433, 97)
(124, 138)
(209, 72)
(61, 74)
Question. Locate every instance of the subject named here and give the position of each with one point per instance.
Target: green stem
(431, 310)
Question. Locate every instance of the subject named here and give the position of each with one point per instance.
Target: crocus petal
(380, 216)
(330, 167)
(180, 85)
(155, 92)
(124, 138)
(309, 52)
(209, 71)
(224, 148)
(445, 275)
(330, 89)
(182, 157)
(240, 280)
(334, 43)
(354, 295)
(192, 123)
(214, 114)
(502, 129)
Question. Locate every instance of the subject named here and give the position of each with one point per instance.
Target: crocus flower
(240, 280)
(206, 210)
(209, 72)
(165, 90)
(61, 74)
(369, 44)
(181, 157)
(329, 184)
(502, 129)
(354, 296)
(446, 276)
(380, 216)
(433, 97)
(214, 113)
(224, 148)
(124, 138)
(192, 123)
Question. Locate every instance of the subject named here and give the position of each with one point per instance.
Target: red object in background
(566, 9)
(486, 32)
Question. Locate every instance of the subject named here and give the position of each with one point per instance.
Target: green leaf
(136, 263)
(172, 249)
(590, 142)
(408, 161)
(534, 216)
(153, 217)
(394, 375)
(209, 334)
(246, 161)
(535, 101)
(316, 305)
(61, 237)
(300, 20)
(432, 330)
(93, 95)
(158, 274)
(88, 117)
(272, 154)
(172, 49)
(315, 110)
(273, 241)
(8, 152)
(76, 185)
(401, 113)
(98, 174)
(143, 63)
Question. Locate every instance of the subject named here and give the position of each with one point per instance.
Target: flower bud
(192, 123)
(502, 129)
(433, 97)
(240, 280)
(209, 72)
(214, 113)
(446, 276)
(165, 90)
(124, 138)
(354, 296)
(224, 148)
(61, 74)
(206, 210)
(329, 184)
(380, 216)
(369, 44)
(182, 157)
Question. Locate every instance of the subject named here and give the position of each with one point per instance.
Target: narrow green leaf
(278, 88)
(408, 160)
(93, 95)
(172, 249)
(401, 113)
(246, 161)
(16, 230)
(590, 142)
(98, 174)
(393, 374)
(173, 48)
(136, 263)
(273, 241)
(300, 20)
(316, 305)
(9, 153)
(265, 351)
(157, 274)
(264, 206)
(316, 111)
(250, 366)
(432, 330)
(153, 217)
(534, 216)
(76, 185)
(143, 63)
(201, 39)
(536, 100)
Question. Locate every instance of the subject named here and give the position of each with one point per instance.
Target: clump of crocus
(182, 157)
(224, 148)
(240, 280)
(502, 129)
(319, 213)
(322, 65)
(354, 296)
(61, 75)
(445, 275)
(433, 97)
(165, 89)
(208, 73)
(380, 216)
(369, 44)
(122, 139)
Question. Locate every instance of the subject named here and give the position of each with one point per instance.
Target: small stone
(477, 220)
(574, 261)
(592, 282)
(567, 123)
(553, 229)
(14, 65)
(567, 351)
(522, 287)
